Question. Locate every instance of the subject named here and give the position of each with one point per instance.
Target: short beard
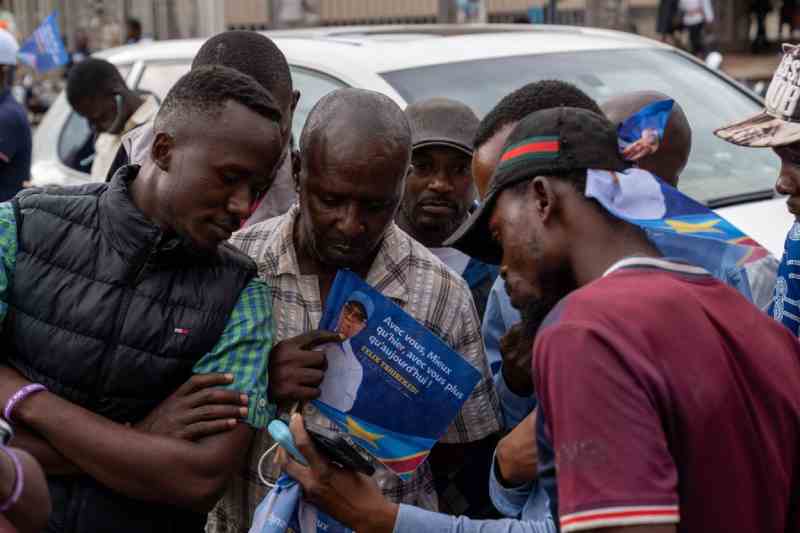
(556, 285)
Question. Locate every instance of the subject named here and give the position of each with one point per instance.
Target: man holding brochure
(354, 157)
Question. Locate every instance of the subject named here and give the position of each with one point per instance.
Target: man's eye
(375, 207)
(461, 170)
(423, 169)
(230, 178)
(328, 200)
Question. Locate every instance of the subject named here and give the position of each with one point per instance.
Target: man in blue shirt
(15, 131)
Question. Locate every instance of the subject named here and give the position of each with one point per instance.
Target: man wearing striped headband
(648, 370)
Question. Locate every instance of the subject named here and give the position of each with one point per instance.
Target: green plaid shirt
(242, 350)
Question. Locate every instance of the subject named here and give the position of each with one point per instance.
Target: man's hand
(296, 369)
(351, 498)
(198, 408)
(516, 455)
(516, 365)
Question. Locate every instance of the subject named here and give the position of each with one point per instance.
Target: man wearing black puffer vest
(113, 295)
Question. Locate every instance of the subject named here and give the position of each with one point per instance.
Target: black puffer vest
(111, 315)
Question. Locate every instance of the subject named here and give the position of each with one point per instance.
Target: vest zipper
(132, 281)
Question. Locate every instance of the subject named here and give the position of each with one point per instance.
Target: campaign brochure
(393, 386)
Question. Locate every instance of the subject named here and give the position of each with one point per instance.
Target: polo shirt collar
(656, 263)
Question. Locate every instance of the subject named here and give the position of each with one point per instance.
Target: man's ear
(543, 197)
(161, 150)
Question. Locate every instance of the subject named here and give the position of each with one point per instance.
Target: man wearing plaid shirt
(355, 151)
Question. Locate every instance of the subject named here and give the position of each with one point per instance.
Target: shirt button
(262, 403)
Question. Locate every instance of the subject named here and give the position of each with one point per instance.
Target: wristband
(20, 395)
(19, 481)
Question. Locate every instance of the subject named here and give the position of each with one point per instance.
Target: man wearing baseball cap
(439, 193)
(670, 400)
(778, 127)
(15, 131)
(440, 189)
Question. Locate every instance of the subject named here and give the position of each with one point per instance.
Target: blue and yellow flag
(685, 229)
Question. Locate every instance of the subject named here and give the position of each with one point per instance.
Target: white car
(478, 65)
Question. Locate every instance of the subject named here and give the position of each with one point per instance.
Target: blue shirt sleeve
(526, 502)
(243, 350)
(8, 254)
(413, 520)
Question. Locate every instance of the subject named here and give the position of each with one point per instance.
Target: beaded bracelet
(19, 480)
(20, 395)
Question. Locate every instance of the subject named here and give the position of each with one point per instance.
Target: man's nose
(788, 180)
(240, 201)
(350, 223)
(440, 182)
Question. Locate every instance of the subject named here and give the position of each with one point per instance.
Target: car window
(716, 169)
(76, 140)
(158, 78)
(312, 86)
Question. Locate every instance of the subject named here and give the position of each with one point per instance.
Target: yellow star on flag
(694, 227)
(357, 431)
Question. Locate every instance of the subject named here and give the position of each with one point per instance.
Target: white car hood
(766, 221)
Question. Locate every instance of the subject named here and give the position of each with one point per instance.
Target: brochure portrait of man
(345, 373)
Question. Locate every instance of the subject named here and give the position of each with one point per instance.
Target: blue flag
(682, 228)
(44, 49)
(283, 510)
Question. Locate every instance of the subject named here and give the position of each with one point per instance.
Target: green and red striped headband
(532, 148)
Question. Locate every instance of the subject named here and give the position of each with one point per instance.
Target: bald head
(356, 127)
(673, 153)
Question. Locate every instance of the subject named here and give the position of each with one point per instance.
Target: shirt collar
(143, 113)
(130, 232)
(388, 274)
(655, 262)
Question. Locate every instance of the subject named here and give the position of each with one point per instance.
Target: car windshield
(717, 173)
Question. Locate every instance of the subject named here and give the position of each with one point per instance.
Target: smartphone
(341, 449)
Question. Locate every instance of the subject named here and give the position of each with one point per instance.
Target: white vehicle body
(478, 64)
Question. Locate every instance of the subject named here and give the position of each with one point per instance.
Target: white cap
(8, 48)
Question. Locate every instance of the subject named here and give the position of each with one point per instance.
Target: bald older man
(355, 152)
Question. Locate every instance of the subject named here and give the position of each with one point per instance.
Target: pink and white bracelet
(20, 395)
(19, 480)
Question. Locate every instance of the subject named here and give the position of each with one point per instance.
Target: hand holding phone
(340, 449)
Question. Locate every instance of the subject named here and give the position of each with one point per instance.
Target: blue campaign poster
(392, 385)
